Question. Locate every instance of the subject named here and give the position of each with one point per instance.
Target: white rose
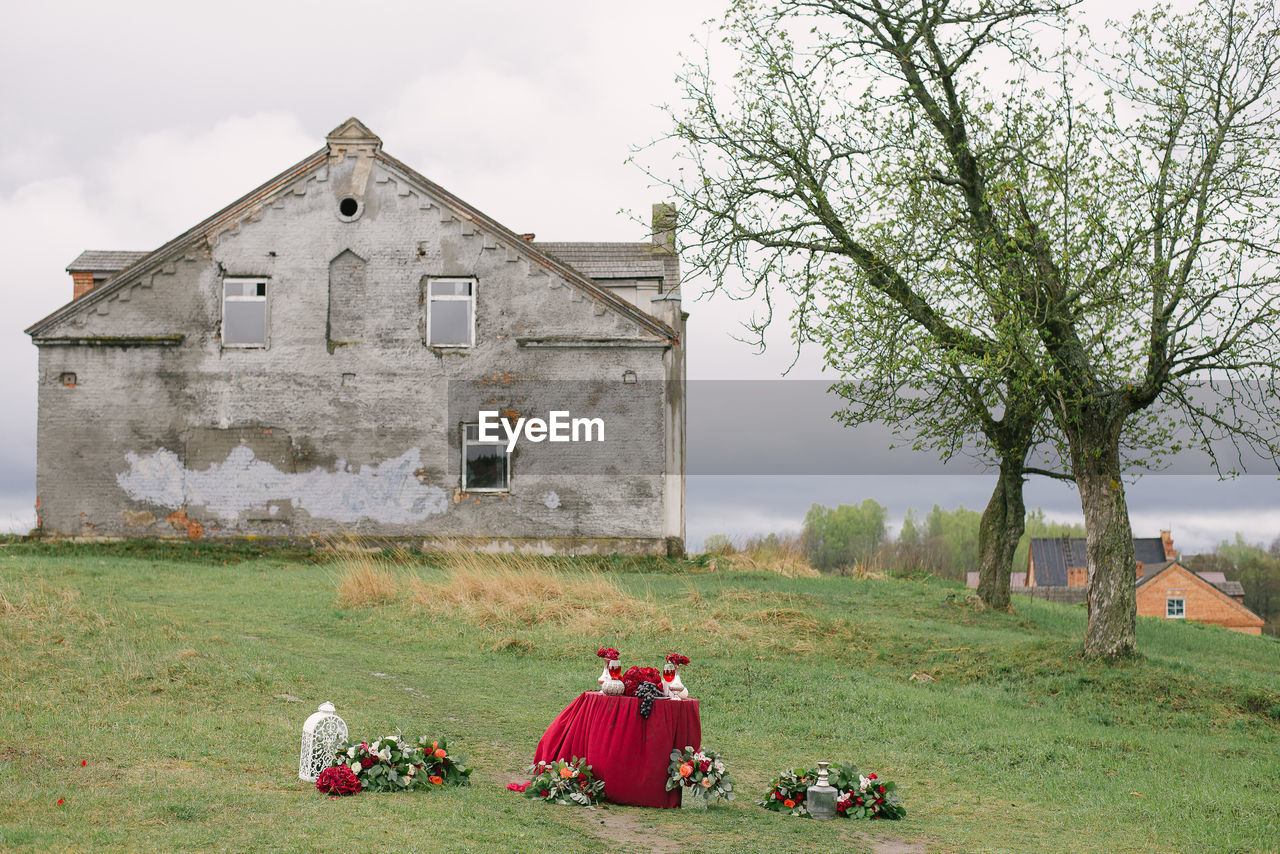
(373, 748)
(351, 752)
(385, 754)
(355, 767)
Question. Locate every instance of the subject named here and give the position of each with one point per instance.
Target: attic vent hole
(348, 206)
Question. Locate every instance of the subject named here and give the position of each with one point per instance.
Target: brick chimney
(81, 283)
(664, 227)
(1166, 539)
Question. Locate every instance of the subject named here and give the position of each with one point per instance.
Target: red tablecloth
(629, 753)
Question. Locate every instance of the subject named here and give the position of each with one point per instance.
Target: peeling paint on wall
(551, 500)
(387, 493)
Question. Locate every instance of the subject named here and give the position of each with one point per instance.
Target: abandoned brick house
(317, 357)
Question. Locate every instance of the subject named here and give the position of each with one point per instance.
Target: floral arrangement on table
(857, 795)
(393, 764)
(563, 782)
(637, 676)
(703, 772)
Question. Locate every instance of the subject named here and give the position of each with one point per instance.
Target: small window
(451, 314)
(244, 313)
(486, 465)
(1175, 609)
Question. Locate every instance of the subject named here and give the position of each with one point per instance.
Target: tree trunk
(1002, 525)
(1095, 453)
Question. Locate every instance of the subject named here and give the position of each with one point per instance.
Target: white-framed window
(451, 312)
(1175, 608)
(244, 312)
(486, 465)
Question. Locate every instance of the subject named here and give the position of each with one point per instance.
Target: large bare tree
(965, 202)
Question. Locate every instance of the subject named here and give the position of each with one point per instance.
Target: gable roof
(1214, 588)
(354, 132)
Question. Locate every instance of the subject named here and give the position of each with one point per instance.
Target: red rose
(338, 780)
(880, 790)
(60, 802)
(677, 659)
(704, 766)
(367, 761)
(777, 795)
(609, 653)
(517, 787)
(871, 776)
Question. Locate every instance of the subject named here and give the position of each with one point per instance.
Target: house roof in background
(1053, 556)
(1147, 550)
(104, 260)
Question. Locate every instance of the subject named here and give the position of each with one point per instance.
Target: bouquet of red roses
(637, 675)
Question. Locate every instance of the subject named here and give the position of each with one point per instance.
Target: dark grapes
(646, 694)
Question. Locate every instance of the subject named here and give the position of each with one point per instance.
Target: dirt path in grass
(622, 827)
(881, 845)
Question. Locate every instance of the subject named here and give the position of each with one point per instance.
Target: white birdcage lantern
(321, 735)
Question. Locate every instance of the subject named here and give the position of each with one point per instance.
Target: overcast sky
(126, 123)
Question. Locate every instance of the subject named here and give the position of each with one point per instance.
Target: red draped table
(629, 753)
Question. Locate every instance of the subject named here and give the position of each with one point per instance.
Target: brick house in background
(311, 359)
(1056, 570)
(1172, 591)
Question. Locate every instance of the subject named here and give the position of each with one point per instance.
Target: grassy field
(171, 672)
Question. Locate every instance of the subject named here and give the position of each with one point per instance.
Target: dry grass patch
(526, 590)
(781, 555)
(367, 575)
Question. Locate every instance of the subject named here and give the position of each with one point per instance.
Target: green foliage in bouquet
(393, 764)
(703, 772)
(563, 782)
(857, 795)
